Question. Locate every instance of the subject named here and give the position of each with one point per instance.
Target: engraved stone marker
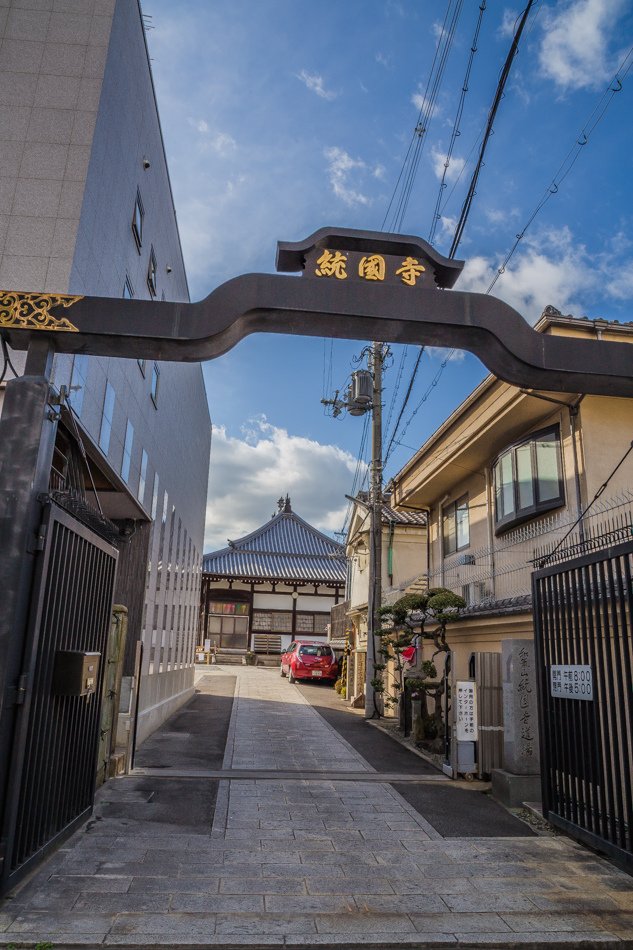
(520, 714)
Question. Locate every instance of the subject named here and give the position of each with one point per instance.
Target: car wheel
(291, 678)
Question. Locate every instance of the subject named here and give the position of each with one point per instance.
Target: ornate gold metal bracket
(33, 311)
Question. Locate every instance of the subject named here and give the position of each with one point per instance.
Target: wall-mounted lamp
(146, 162)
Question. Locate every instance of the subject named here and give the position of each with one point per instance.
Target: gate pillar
(28, 426)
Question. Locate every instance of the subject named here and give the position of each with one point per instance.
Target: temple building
(276, 583)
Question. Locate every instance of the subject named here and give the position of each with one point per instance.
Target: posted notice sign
(571, 682)
(466, 709)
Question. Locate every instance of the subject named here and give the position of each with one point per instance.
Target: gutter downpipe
(491, 534)
(573, 415)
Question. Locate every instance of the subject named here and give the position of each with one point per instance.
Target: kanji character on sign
(332, 265)
(410, 270)
(372, 267)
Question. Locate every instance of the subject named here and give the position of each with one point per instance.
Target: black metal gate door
(583, 612)
(53, 761)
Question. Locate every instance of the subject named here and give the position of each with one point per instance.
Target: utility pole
(365, 395)
(374, 593)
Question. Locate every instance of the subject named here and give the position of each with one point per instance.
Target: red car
(309, 659)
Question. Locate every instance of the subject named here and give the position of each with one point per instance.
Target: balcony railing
(502, 572)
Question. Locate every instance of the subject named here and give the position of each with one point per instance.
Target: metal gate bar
(53, 766)
(583, 611)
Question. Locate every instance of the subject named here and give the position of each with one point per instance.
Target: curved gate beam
(330, 307)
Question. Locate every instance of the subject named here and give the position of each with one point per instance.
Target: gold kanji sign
(332, 265)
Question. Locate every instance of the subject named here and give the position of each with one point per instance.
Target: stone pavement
(325, 854)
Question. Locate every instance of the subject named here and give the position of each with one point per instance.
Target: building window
(151, 273)
(128, 290)
(155, 384)
(226, 618)
(78, 383)
(143, 477)
(127, 452)
(528, 478)
(312, 623)
(272, 621)
(142, 365)
(107, 414)
(455, 526)
(137, 221)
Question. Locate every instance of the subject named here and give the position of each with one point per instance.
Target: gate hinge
(20, 691)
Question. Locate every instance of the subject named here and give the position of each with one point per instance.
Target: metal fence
(53, 764)
(503, 570)
(583, 613)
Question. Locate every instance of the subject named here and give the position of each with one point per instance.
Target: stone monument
(519, 780)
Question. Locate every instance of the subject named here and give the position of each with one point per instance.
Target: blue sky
(280, 118)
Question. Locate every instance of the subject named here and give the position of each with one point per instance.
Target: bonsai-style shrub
(400, 623)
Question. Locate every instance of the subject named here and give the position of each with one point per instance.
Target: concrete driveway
(286, 835)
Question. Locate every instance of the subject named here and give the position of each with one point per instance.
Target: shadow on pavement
(453, 812)
(193, 738)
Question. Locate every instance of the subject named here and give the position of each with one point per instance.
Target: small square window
(142, 365)
(137, 221)
(151, 273)
(128, 290)
(155, 384)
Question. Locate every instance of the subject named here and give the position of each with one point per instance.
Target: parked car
(309, 660)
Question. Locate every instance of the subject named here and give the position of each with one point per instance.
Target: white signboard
(466, 711)
(571, 682)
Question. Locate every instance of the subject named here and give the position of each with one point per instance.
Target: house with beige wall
(404, 569)
(505, 478)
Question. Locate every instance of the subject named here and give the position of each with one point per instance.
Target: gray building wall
(81, 134)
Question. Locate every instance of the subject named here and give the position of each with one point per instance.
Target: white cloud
(422, 104)
(550, 268)
(220, 142)
(249, 474)
(575, 49)
(340, 166)
(509, 22)
(454, 170)
(446, 228)
(501, 215)
(379, 172)
(382, 59)
(223, 143)
(442, 353)
(315, 84)
(621, 285)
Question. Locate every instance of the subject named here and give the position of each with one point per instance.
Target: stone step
(229, 659)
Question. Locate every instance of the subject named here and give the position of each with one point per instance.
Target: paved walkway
(325, 854)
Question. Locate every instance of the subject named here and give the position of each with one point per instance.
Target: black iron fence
(583, 612)
(53, 763)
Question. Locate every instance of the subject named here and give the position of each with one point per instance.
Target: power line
(426, 395)
(458, 117)
(459, 230)
(411, 162)
(404, 404)
(396, 389)
(582, 514)
(615, 86)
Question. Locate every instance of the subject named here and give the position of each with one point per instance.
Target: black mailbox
(75, 673)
